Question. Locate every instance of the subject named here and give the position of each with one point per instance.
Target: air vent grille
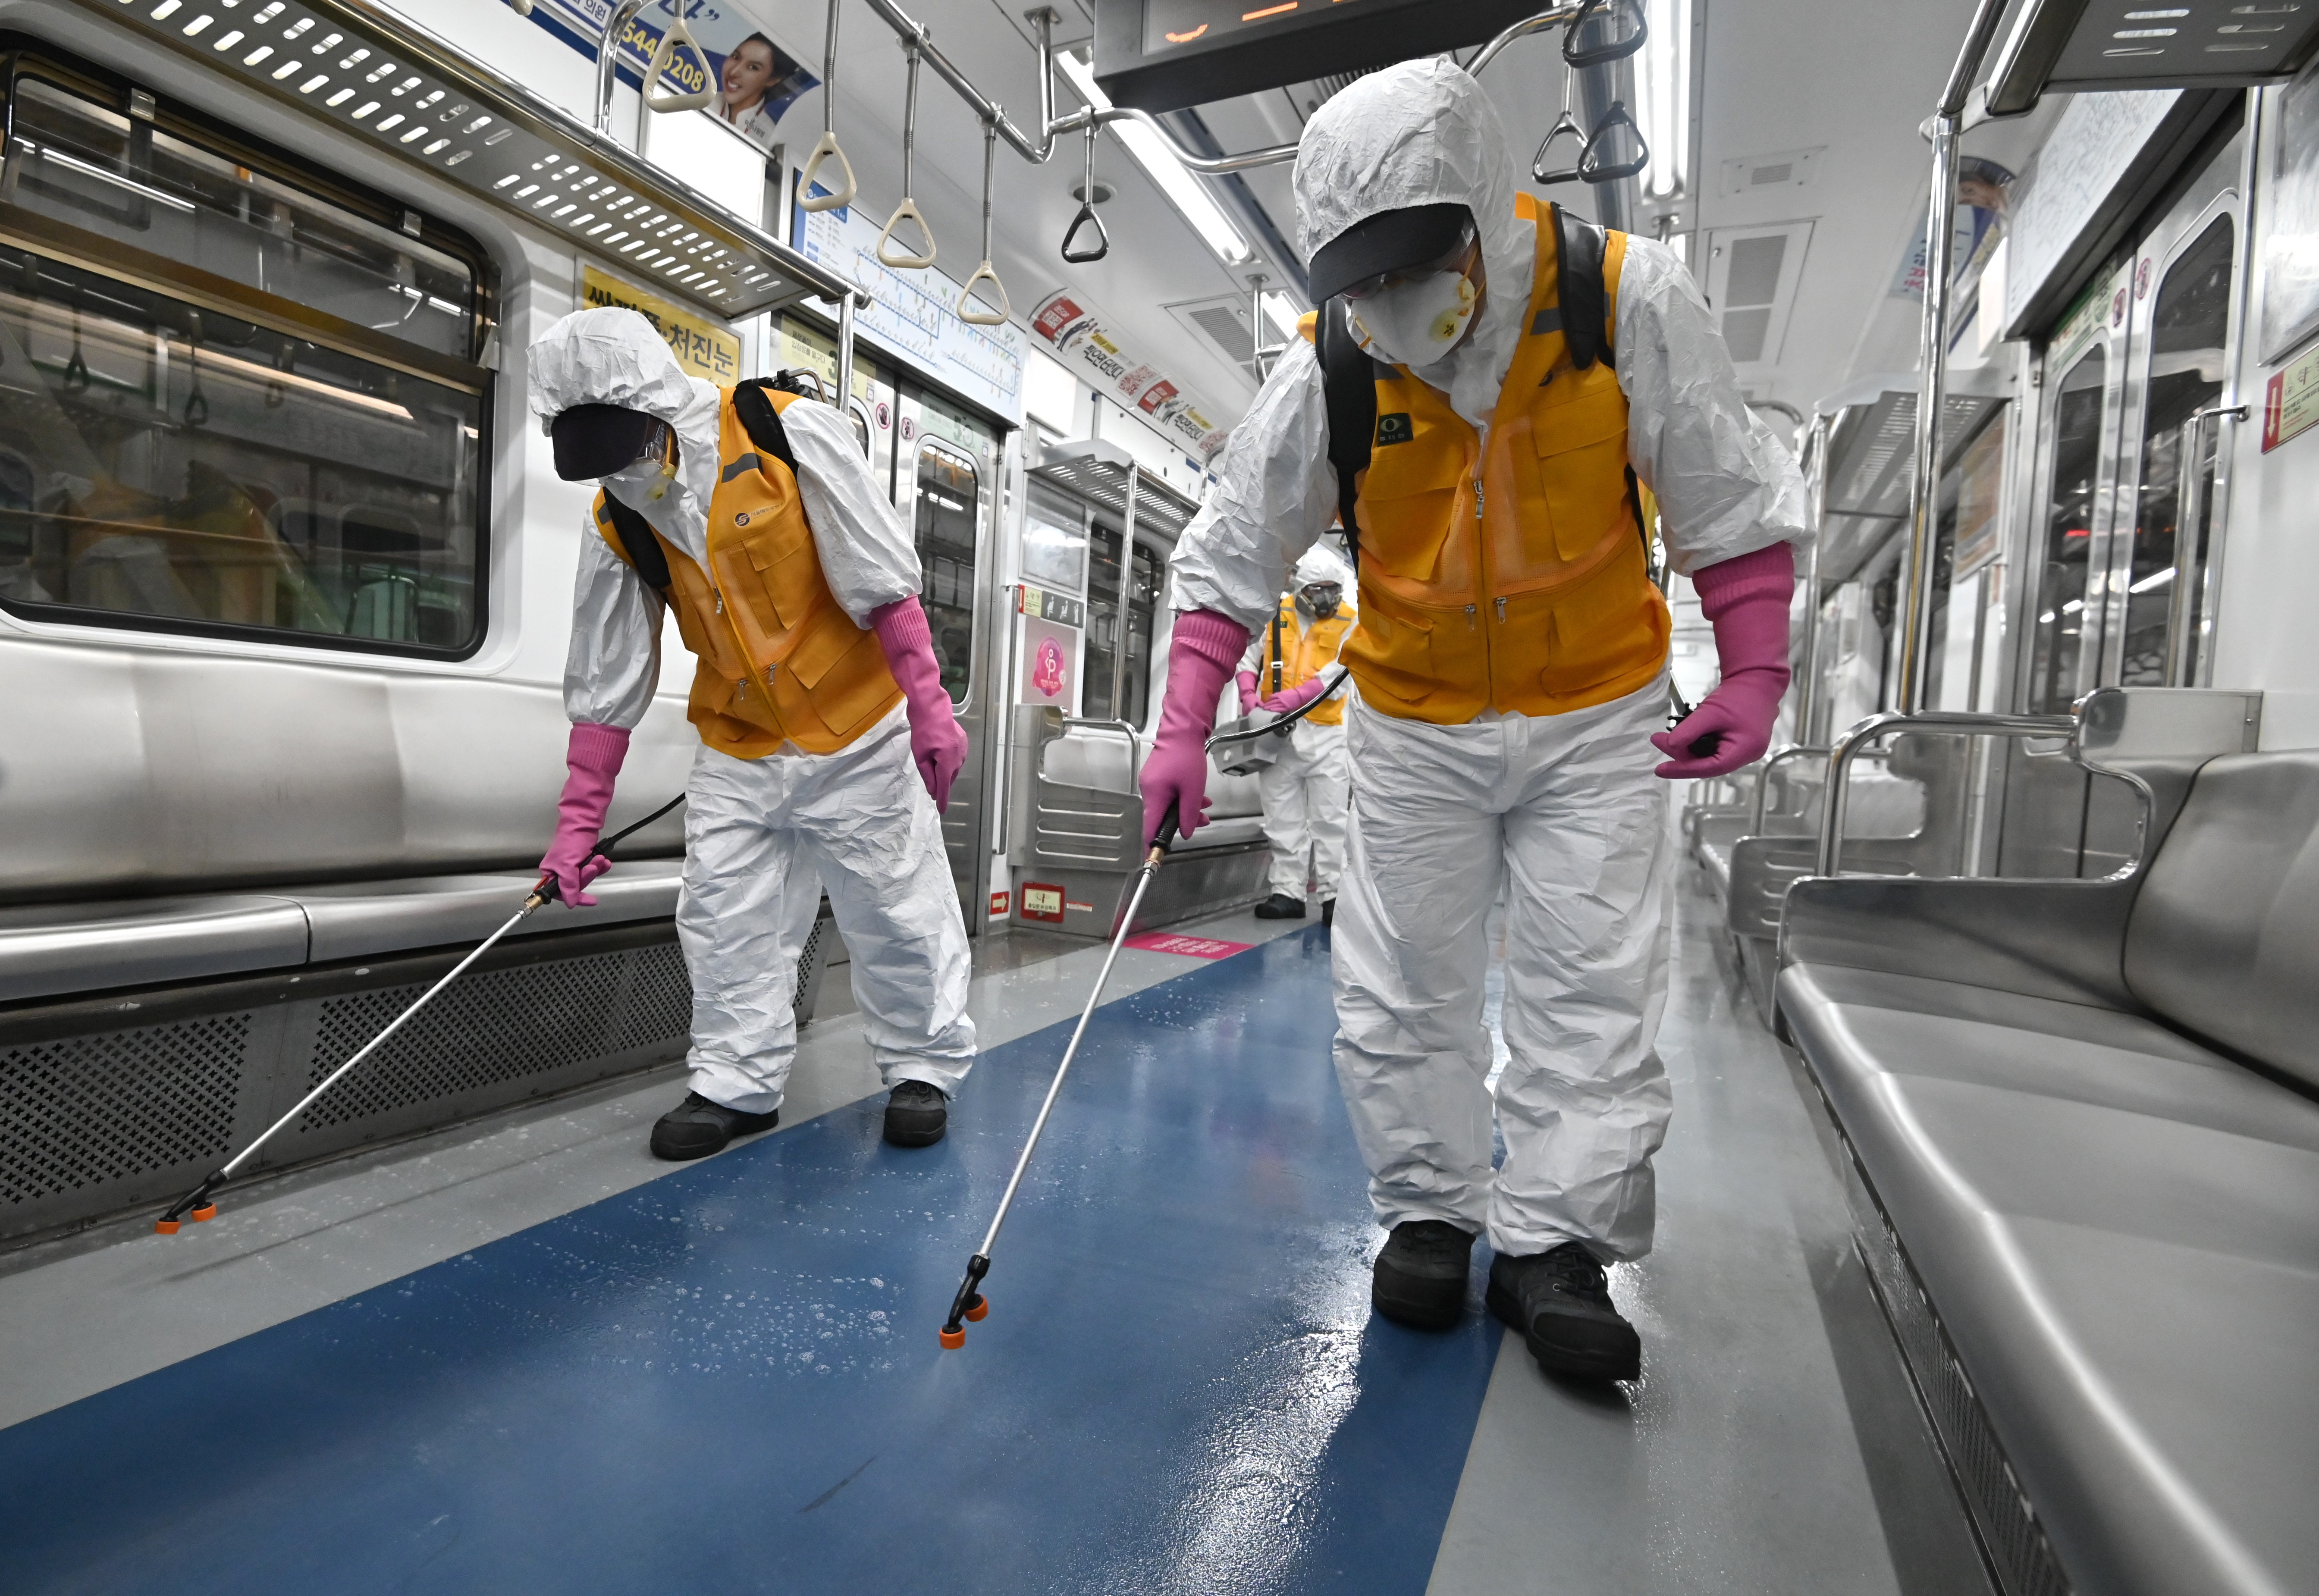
(91, 1109)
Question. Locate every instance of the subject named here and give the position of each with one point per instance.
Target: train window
(1055, 541)
(120, 177)
(1113, 688)
(949, 494)
(2060, 629)
(228, 407)
(2188, 326)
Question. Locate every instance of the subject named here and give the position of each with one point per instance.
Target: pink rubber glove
(1200, 658)
(1747, 600)
(1295, 697)
(1248, 692)
(937, 741)
(593, 757)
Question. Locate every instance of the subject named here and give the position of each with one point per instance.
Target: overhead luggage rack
(1095, 476)
(373, 74)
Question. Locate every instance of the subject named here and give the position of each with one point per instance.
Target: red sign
(1042, 902)
(1054, 315)
(998, 901)
(2290, 401)
(1156, 395)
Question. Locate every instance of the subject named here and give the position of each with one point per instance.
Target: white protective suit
(1563, 809)
(759, 832)
(1303, 788)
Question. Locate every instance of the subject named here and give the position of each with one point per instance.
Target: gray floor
(105, 1305)
(1772, 1445)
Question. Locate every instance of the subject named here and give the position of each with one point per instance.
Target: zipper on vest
(719, 594)
(1478, 498)
(1470, 608)
(1501, 612)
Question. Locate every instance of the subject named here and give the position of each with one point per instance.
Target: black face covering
(1321, 598)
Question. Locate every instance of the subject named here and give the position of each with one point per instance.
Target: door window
(1103, 626)
(2058, 634)
(949, 495)
(2164, 589)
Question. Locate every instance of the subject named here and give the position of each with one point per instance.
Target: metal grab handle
(1779, 756)
(1590, 168)
(1087, 210)
(1554, 17)
(1840, 758)
(1127, 727)
(1567, 124)
(967, 311)
(907, 211)
(2190, 499)
(826, 145)
(1617, 50)
(664, 54)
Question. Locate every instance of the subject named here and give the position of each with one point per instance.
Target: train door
(946, 471)
(2157, 620)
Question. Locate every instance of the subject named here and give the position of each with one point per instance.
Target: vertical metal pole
(1807, 690)
(1932, 351)
(1932, 393)
(608, 58)
(1126, 594)
(845, 353)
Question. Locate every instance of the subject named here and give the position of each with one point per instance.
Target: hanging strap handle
(835, 199)
(1086, 209)
(664, 54)
(970, 311)
(1566, 127)
(1617, 50)
(900, 259)
(1591, 168)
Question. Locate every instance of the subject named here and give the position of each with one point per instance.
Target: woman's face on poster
(747, 70)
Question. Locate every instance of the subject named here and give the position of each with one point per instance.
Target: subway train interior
(339, 1248)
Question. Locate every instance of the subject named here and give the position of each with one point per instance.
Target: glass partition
(2057, 635)
(948, 493)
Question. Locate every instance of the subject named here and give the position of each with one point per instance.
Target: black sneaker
(696, 1127)
(1329, 912)
(1418, 1279)
(1281, 906)
(1561, 1303)
(916, 1115)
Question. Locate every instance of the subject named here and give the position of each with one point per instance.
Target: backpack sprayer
(197, 1205)
(971, 1305)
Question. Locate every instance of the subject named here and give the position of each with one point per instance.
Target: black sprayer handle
(1167, 837)
(549, 891)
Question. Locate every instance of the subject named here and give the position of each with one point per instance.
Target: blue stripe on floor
(727, 1380)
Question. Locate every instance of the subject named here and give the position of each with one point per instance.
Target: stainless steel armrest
(1778, 757)
(1849, 745)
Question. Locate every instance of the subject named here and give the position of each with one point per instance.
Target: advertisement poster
(757, 80)
(1048, 651)
(916, 313)
(703, 349)
(1087, 341)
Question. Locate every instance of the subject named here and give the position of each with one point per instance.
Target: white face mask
(645, 478)
(1416, 323)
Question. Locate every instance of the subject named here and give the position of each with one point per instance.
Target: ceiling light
(1187, 193)
(1662, 96)
(1282, 313)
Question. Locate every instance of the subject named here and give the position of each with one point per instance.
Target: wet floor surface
(727, 1379)
(527, 1357)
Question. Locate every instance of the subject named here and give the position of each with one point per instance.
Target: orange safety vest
(1306, 652)
(780, 659)
(1509, 578)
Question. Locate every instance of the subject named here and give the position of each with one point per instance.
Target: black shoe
(1560, 1303)
(1329, 911)
(696, 1127)
(1281, 906)
(916, 1115)
(1418, 1279)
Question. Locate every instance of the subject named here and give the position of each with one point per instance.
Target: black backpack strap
(1349, 390)
(761, 421)
(633, 536)
(1277, 664)
(1579, 248)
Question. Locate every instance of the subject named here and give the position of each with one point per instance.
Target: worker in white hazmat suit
(1288, 663)
(827, 742)
(1522, 378)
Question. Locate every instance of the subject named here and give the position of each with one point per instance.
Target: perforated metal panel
(493, 1028)
(91, 1111)
(2002, 1513)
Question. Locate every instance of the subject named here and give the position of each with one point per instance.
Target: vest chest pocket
(1412, 489)
(1580, 444)
(789, 581)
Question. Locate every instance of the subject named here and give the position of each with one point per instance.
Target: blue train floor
(727, 1379)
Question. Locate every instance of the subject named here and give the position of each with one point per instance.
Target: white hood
(1321, 564)
(1423, 133)
(611, 355)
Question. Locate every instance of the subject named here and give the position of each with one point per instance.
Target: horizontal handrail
(1840, 756)
(1778, 757)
